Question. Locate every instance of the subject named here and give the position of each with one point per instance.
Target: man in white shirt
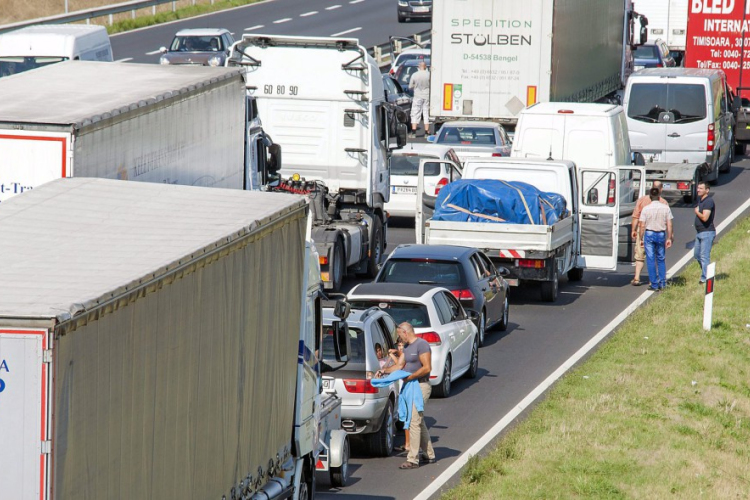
(420, 106)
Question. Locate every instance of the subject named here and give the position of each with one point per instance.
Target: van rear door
(24, 413)
(686, 121)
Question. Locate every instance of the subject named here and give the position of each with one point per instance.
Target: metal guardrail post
(377, 54)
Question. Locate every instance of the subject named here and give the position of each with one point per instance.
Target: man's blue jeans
(654, 244)
(702, 251)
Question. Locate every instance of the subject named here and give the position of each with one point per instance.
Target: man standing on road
(656, 237)
(704, 225)
(420, 106)
(639, 252)
(418, 362)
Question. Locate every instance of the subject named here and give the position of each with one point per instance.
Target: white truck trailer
(492, 58)
(323, 100)
(586, 238)
(148, 348)
(142, 122)
(667, 20)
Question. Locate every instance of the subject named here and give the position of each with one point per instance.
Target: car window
(389, 329)
(403, 57)
(409, 165)
(357, 354)
(413, 312)
(425, 271)
(466, 135)
(378, 339)
(488, 265)
(452, 156)
(478, 266)
(646, 52)
(686, 102)
(389, 87)
(457, 312)
(443, 308)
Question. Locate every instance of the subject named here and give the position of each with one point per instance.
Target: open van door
(427, 193)
(602, 193)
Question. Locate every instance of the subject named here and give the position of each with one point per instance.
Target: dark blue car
(653, 55)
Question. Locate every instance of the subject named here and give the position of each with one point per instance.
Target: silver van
(681, 115)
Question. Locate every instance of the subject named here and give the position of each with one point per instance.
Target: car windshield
(403, 75)
(646, 52)
(409, 165)
(425, 271)
(686, 102)
(416, 314)
(13, 65)
(412, 57)
(466, 135)
(196, 44)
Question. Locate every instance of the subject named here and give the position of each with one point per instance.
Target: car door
(375, 337)
(482, 286)
(460, 324)
(448, 332)
(425, 200)
(494, 289)
(599, 214)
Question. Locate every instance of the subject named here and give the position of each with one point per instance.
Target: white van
(38, 46)
(680, 115)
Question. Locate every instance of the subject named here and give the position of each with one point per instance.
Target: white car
(404, 170)
(437, 317)
(410, 54)
(474, 139)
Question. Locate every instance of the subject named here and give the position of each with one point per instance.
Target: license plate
(404, 190)
(419, 10)
(512, 282)
(667, 185)
(327, 384)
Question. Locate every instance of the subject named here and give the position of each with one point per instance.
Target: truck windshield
(686, 102)
(466, 135)
(425, 271)
(13, 65)
(409, 165)
(414, 313)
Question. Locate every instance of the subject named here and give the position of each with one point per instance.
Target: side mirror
(643, 21)
(341, 340)
(472, 315)
(274, 159)
(342, 309)
(503, 271)
(431, 138)
(401, 132)
(163, 50)
(636, 158)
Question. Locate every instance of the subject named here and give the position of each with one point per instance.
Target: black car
(414, 10)
(394, 94)
(466, 272)
(405, 70)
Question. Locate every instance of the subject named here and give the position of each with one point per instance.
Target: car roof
(408, 290)
(415, 50)
(447, 252)
(584, 109)
(356, 319)
(202, 32)
(678, 72)
(472, 123)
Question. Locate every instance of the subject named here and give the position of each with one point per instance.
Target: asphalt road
(540, 338)
(371, 21)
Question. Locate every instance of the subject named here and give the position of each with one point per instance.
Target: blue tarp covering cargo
(484, 200)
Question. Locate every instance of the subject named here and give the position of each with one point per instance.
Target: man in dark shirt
(704, 225)
(418, 362)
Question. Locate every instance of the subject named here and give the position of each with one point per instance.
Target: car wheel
(474, 364)
(376, 247)
(506, 312)
(550, 288)
(575, 274)
(337, 270)
(482, 328)
(444, 389)
(338, 474)
(381, 443)
(401, 19)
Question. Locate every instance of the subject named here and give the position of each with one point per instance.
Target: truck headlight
(164, 60)
(214, 61)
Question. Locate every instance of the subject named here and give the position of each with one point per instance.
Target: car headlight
(164, 60)
(403, 3)
(214, 61)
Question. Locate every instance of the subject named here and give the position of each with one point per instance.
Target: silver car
(368, 413)
(474, 139)
(198, 47)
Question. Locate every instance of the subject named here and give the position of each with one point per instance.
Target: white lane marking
(279, 21)
(333, 7)
(311, 13)
(356, 1)
(125, 60)
(153, 52)
(256, 27)
(491, 434)
(347, 31)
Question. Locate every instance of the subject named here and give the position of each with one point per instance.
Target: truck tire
(739, 149)
(306, 484)
(376, 248)
(443, 390)
(575, 274)
(550, 288)
(338, 474)
(381, 443)
(338, 266)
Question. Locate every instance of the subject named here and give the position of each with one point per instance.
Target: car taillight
(531, 263)
(711, 137)
(497, 155)
(323, 260)
(659, 65)
(611, 194)
(683, 186)
(442, 182)
(359, 386)
(431, 337)
(463, 294)
(391, 72)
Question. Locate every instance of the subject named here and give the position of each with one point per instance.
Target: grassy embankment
(662, 410)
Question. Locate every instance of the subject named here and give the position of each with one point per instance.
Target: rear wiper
(425, 282)
(645, 117)
(684, 118)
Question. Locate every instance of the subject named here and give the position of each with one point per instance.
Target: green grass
(666, 416)
(181, 13)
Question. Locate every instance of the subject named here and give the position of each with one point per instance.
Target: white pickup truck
(586, 237)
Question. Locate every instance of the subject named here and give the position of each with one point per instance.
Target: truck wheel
(549, 288)
(376, 248)
(739, 149)
(381, 443)
(444, 389)
(575, 274)
(338, 474)
(338, 266)
(474, 363)
(503, 325)
(306, 484)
